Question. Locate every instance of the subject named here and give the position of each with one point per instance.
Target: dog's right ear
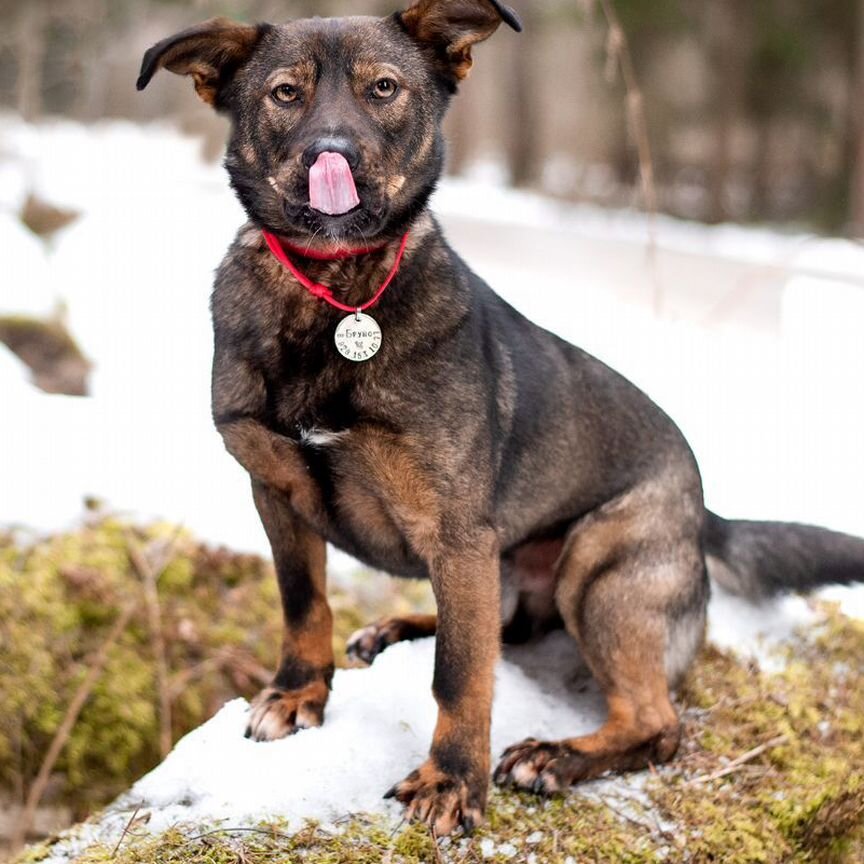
(211, 53)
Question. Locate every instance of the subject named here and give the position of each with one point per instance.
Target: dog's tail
(760, 559)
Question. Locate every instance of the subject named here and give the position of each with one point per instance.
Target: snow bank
(378, 728)
(25, 284)
(773, 411)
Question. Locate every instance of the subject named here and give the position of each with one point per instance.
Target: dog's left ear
(211, 53)
(453, 27)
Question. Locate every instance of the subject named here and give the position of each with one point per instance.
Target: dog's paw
(277, 713)
(542, 767)
(365, 645)
(443, 801)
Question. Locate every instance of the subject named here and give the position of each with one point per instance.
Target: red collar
(322, 291)
(305, 252)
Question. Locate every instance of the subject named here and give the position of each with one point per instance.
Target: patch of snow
(483, 195)
(13, 184)
(487, 847)
(378, 728)
(27, 287)
(832, 257)
(14, 374)
(757, 630)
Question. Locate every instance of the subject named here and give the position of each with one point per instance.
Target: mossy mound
(771, 769)
(221, 626)
(801, 798)
(798, 798)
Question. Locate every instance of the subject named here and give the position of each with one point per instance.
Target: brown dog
(527, 480)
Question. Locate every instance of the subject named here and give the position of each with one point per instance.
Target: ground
(770, 770)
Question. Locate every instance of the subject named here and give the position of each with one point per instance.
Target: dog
(442, 435)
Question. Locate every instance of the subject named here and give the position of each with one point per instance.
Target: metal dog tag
(358, 337)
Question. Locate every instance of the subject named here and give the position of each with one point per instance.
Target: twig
(618, 54)
(268, 833)
(97, 666)
(150, 574)
(438, 858)
(741, 760)
(125, 831)
(227, 659)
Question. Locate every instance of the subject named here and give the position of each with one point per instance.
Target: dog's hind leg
(367, 643)
(632, 591)
(527, 605)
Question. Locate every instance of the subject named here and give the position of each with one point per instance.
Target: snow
(26, 275)
(757, 355)
(766, 408)
(378, 727)
(771, 406)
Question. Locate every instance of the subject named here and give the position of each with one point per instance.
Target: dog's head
(335, 122)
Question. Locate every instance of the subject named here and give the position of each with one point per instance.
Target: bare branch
(150, 573)
(96, 668)
(741, 760)
(618, 55)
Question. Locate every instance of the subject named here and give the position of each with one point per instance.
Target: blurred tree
(30, 52)
(771, 127)
(728, 33)
(524, 146)
(857, 128)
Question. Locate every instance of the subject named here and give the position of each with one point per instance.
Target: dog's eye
(285, 93)
(385, 88)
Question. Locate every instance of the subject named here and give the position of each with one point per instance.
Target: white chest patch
(321, 437)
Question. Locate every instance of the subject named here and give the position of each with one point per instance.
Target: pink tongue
(331, 185)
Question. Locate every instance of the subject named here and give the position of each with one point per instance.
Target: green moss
(552, 832)
(59, 598)
(801, 800)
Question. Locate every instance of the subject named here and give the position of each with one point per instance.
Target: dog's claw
(276, 713)
(443, 801)
(366, 644)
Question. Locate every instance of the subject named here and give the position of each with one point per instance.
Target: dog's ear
(211, 53)
(453, 27)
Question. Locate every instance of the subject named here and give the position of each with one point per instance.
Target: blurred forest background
(755, 108)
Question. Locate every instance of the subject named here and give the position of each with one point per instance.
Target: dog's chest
(359, 510)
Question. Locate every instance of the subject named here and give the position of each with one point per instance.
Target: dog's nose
(342, 146)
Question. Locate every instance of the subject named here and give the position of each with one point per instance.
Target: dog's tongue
(331, 185)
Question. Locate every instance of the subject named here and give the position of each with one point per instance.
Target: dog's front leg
(450, 788)
(301, 686)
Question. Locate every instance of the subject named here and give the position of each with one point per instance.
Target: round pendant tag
(358, 337)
